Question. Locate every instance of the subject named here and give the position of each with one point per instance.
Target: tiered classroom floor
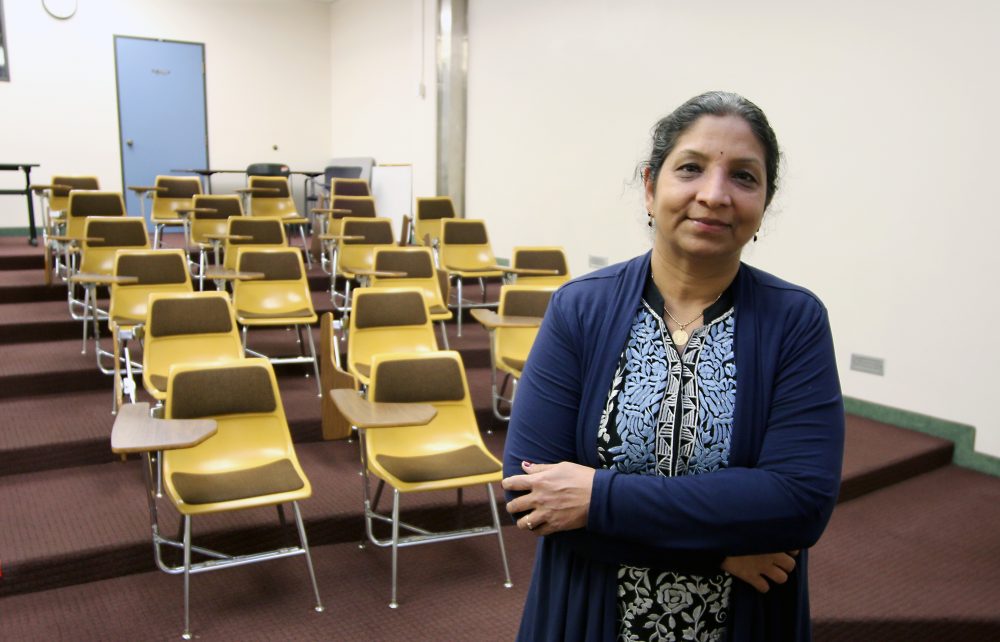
(912, 551)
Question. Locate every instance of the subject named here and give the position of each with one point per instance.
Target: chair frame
(133, 420)
(350, 404)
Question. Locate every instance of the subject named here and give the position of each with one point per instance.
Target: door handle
(129, 142)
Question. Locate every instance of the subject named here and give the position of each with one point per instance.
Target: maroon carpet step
(918, 560)
(447, 591)
(877, 455)
(69, 526)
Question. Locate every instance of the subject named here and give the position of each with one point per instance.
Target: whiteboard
(392, 188)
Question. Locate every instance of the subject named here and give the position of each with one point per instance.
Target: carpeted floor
(910, 554)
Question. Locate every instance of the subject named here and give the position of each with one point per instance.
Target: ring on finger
(531, 527)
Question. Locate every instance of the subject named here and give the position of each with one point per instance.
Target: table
(26, 168)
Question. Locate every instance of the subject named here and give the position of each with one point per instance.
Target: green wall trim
(962, 435)
(13, 231)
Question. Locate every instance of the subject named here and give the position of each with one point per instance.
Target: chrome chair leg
(444, 335)
(496, 524)
(304, 543)
(315, 361)
(187, 578)
(393, 604)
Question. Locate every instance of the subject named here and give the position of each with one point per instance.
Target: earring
(754, 238)
(650, 222)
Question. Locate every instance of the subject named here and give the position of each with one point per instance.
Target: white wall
(886, 112)
(375, 78)
(60, 107)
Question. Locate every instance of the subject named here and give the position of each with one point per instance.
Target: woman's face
(709, 198)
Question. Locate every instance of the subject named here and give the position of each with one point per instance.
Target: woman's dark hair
(714, 103)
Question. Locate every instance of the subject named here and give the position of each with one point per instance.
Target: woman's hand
(557, 499)
(756, 570)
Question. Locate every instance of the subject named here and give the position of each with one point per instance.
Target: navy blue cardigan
(776, 495)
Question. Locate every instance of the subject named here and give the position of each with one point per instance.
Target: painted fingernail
(527, 464)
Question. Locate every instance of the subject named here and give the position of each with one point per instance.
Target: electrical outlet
(869, 365)
(597, 261)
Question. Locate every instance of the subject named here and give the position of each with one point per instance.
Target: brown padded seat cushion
(178, 187)
(278, 183)
(159, 382)
(225, 206)
(294, 314)
(269, 479)
(348, 187)
(435, 209)
(524, 303)
(417, 265)
(263, 231)
(516, 364)
(464, 462)
(221, 391)
(74, 182)
(97, 204)
(153, 269)
(275, 266)
(124, 232)
(170, 317)
(465, 233)
(385, 309)
(540, 260)
(419, 380)
(375, 232)
(359, 207)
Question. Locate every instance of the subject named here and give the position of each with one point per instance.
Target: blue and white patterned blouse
(671, 414)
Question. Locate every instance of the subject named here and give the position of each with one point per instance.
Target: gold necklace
(679, 336)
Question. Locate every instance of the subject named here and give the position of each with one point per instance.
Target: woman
(678, 431)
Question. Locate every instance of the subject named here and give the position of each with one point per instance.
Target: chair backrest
(158, 271)
(284, 290)
(436, 378)
(386, 320)
(355, 206)
(513, 344)
(277, 204)
(205, 223)
(268, 169)
(263, 232)
(59, 197)
(541, 258)
(465, 245)
(355, 255)
(179, 194)
(430, 211)
(418, 264)
(181, 328)
(350, 187)
(115, 233)
(85, 203)
(252, 442)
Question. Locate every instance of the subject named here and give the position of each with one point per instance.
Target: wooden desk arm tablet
(382, 274)
(223, 274)
(42, 188)
(260, 191)
(197, 210)
(77, 239)
(367, 415)
(103, 279)
(142, 189)
(341, 237)
(327, 210)
(527, 271)
(228, 237)
(491, 320)
(135, 431)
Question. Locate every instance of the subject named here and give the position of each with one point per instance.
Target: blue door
(161, 110)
